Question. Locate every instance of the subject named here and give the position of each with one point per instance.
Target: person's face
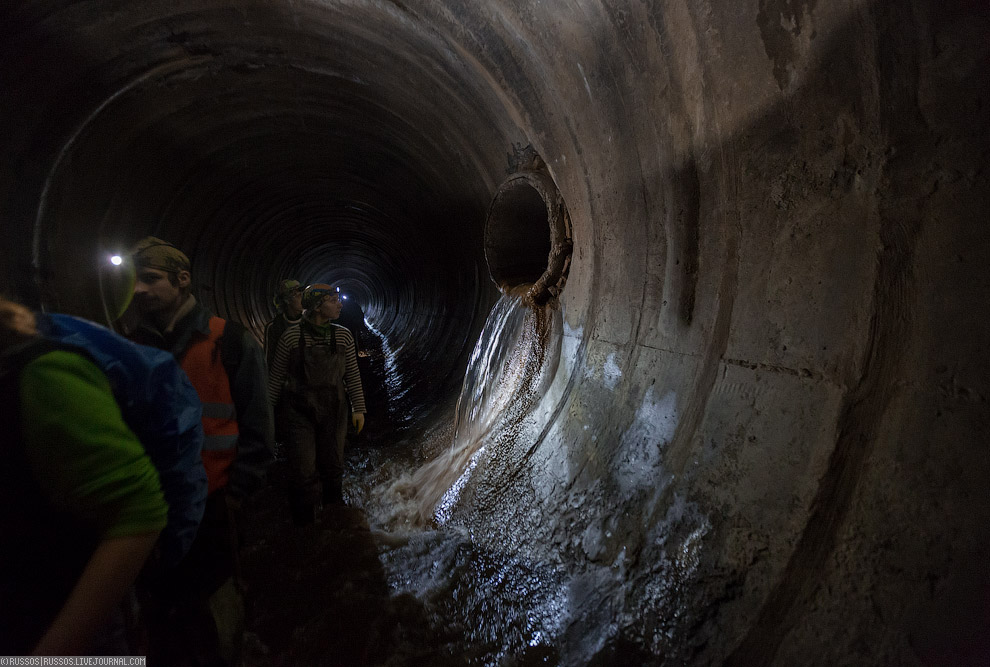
(17, 318)
(293, 305)
(155, 295)
(330, 307)
(17, 324)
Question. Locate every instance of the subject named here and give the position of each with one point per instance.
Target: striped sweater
(345, 343)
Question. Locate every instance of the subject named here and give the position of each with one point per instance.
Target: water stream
(505, 377)
(488, 602)
(467, 545)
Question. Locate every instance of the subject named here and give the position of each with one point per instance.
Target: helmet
(285, 290)
(313, 295)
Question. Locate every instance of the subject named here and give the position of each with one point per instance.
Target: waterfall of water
(503, 380)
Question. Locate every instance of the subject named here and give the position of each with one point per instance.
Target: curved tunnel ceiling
(768, 424)
(341, 147)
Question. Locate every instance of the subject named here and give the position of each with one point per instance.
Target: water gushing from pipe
(505, 377)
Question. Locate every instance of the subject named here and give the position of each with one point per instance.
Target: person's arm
(255, 424)
(88, 462)
(108, 575)
(280, 366)
(265, 343)
(269, 343)
(352, 381)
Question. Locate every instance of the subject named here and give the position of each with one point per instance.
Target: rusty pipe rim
(528, 236)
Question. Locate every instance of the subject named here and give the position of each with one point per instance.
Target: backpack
(45, 548)
(161, 407)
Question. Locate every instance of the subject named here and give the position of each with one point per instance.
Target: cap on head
(154, 253)
(285, 290)
(314, 294)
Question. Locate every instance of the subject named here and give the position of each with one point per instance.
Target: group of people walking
(122, 468)
(313, 375)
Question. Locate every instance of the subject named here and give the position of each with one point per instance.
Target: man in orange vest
(227, 367)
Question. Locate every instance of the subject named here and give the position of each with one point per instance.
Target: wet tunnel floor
(346, 591)
(350, 590)
(318, 595)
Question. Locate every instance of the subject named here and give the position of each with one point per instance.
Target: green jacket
(73, 474)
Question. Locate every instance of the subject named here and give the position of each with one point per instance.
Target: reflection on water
(489, 605)
(395, 387)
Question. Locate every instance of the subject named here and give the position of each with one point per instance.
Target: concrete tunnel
(763, 226)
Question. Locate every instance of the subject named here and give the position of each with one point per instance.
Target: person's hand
(357, 419)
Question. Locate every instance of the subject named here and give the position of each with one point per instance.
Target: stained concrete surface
(765, 440)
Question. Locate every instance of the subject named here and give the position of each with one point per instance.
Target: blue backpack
(161, 407)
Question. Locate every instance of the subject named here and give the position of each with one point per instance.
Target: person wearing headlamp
(316, 371)
(226, 366)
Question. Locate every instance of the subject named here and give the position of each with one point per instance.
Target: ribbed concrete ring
(528, 236)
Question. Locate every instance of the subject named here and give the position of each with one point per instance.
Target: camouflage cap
(154, 253)
(285, 290)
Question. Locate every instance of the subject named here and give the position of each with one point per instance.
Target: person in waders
(316, 368)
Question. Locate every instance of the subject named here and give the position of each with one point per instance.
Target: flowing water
(449, 554)
(486, 603)
(393, 383)
(505, 377)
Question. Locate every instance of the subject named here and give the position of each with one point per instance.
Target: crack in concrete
(806, 373)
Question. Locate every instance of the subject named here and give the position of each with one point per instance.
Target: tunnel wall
(765, 443)
(766, 439)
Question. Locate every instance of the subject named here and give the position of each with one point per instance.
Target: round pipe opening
(528, 236)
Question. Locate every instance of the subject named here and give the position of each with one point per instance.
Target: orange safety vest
(203, 365)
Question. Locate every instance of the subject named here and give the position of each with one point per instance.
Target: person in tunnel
(227, 368)
(315, 367)
(352, 317)
(81, 503)
(288, 302)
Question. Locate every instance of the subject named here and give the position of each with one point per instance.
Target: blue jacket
(160, 405)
